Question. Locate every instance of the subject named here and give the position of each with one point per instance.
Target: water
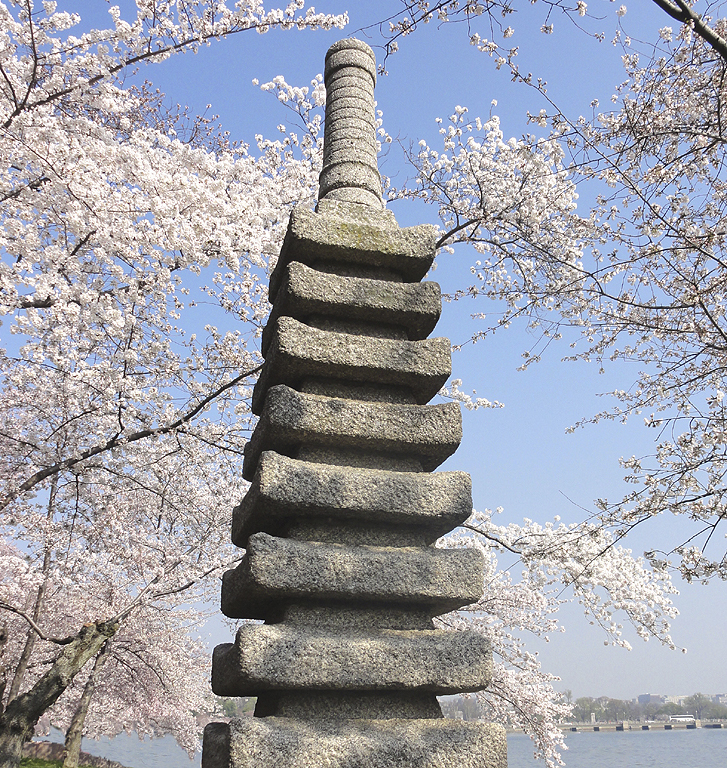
(699, 748)
(130, 751)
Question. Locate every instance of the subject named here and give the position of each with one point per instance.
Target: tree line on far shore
(606, 709)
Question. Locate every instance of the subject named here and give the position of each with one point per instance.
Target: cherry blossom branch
(494, 539)
(192, 582)
(34, 185)
(149, 54)
(123, 614)
(682, 12)
(119, 440)
(38, 631)
(127, 610)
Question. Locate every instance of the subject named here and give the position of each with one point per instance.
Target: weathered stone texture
(430, 433)
(286, 489)
(358, 617)
(277, 569)
(298, 351)
(354, 236)
(294, 743)
(279, 657)
(369, 705)
(306, 292)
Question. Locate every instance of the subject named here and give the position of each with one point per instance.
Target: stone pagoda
(339, 523)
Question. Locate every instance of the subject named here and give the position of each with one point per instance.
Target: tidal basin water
(132, 752)
(699, 748)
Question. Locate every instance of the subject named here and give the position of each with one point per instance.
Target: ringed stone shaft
(343, 510)
(350, 169)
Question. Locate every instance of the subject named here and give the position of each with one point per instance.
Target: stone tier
(336, 743)
(287, 491)
(269, 657)
(357, 240)
(298, 351)
(276, 570)
(307, 294)
(291, 419)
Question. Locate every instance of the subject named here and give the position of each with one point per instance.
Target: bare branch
(42, 635)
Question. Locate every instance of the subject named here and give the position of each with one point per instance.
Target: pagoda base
(284, 742)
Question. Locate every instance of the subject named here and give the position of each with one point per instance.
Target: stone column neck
(350, 170)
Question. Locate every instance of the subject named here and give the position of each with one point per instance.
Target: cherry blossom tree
(559, 563)
(136, 550)
(128, 232)
(151, 678)
(109, 200)
(661, 222)
(637, 277)
(121, 427)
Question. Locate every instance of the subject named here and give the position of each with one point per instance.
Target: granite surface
(294, 743)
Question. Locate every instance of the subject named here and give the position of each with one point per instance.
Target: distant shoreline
(634, 726)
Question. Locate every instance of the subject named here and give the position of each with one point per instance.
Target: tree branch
(683, 13)
(34, 626)
(119, 440)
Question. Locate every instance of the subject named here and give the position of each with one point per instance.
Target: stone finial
(350, 171)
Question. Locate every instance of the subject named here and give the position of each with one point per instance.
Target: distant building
(650, 698)
(678, 700)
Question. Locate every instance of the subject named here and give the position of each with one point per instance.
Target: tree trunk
(74, 734)
(22, 665)
(24, 660)
(22, 713)
(3, 671)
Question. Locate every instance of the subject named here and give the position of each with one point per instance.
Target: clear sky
(519, 457)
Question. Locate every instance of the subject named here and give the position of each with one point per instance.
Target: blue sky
(520, 457)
